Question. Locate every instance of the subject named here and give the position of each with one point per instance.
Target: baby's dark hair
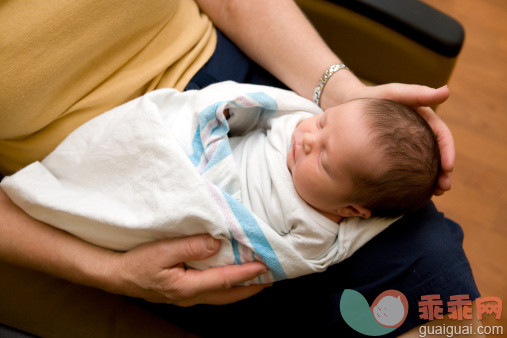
(409, 148)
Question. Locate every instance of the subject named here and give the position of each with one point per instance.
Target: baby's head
(365, 157)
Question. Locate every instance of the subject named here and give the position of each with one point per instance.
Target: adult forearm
(277, 35)
(29, 243)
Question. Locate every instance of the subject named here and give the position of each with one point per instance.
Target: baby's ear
(354, 210)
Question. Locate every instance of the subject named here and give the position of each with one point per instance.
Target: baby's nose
(308, 142)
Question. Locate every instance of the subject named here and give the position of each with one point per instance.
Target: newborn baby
(305, 174)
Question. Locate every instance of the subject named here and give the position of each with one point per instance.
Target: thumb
(412, 95)
(433, 97)
(193, 248)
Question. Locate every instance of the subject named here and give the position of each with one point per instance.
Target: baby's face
(324, 151)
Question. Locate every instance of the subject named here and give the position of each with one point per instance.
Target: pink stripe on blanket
(209, 141)
(244, 253)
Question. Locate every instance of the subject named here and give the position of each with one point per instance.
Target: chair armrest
(389, 40)
(414, 19)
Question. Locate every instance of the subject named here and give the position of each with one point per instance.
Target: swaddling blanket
(157, 167)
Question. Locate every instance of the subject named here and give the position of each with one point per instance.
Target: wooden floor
(476, 113)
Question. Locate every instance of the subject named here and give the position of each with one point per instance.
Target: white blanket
(161, 166)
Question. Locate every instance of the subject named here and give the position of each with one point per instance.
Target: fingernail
(211, 243)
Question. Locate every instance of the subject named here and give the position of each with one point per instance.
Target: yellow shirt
(64, 62)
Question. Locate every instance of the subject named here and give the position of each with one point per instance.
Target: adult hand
(155, 272)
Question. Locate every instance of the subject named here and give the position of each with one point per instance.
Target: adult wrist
(324, 79)
(340, 88)
(101, 270)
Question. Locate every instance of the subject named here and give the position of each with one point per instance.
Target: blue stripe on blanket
(224, 150)
(197, 148)
(219, 132)
(255, 235)
(265, 101)
(202, 151)
(235, 249)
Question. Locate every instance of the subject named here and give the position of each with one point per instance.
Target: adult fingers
(446, 146)
(170, 252)
(223, 278)
(411, 95)
(444, 138)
